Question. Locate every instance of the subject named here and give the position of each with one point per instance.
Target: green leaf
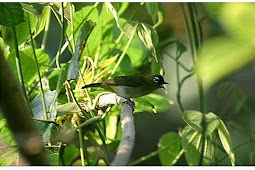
(194, 119)
(222, 52)
(170, 145)
(239, 20)
(67, 108)
(22, 31)
(38, 112)
(157, 12)
(70, 153)
(192, 145)
(11, 14)
(8, 156)
(28, 67)
(128, 27)
(149, 37)
(79, 18)
(157, 68)
(73, 68)
(29, 8)
(226, 141)
(152, 103)
(42, 20)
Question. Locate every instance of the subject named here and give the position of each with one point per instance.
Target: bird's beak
(163, 86)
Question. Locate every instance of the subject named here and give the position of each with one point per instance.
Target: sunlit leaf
(28, 66)
(226, 141)
(79, 18)
(108, 62)
(239, 20)
(152, 103)
(11, 14)
(195, 118)
(222, 52)
(171, 146)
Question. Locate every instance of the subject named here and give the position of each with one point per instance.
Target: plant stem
(47, 121)
(179, 63)
(193, 25)
(62, 35)
(18, 64)
(124, 51)
(38, 70)
(46, 31)
(81, 141)
(188, 31)
(200, 30)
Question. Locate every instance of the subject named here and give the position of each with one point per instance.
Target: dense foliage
(96, 41)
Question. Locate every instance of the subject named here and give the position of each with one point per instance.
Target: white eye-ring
(156, 80)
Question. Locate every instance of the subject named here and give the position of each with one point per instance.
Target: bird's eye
(156, 80)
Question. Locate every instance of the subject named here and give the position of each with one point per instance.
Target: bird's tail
(92, 85)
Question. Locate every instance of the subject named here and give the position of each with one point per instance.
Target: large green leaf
(226, 141)
(171, 146)
(222, 52)
(192, 145)
(38, 112)
(79, 18)
(22, 30)
(28, 66)
(194, 119)
(11, 14)
(152, 103)
(239, 20)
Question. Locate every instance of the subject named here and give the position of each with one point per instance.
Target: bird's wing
(132, 80)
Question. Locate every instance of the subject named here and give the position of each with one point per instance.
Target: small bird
(132, 86)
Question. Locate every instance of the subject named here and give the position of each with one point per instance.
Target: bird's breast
(129, 91)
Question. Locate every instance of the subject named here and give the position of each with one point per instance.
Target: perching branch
(127, 122)
(128, 135)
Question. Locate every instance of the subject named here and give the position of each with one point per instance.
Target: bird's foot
(130, 102)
